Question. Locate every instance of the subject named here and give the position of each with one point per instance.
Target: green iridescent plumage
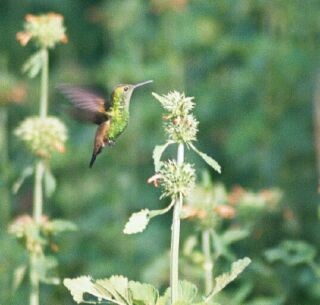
(112, 120)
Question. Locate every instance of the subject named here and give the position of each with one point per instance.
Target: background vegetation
(253, 67)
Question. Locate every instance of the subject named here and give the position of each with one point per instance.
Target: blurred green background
(253, 68)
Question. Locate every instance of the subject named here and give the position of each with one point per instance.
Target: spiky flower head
(179, 123)
(182, 129)
(25, 228)
(46, 30)
(176, 179)
(43, 136)
(176, 103)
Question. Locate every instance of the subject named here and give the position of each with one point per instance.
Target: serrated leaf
(210, 161)
(59, 225)
(115, 289)
(164, 299)
(137, 222)
(80, 286)
(144, 293)
(18, 276)
(33, 64)
(187, 291)
(27, 172)
(121, 285)
(50, 183)
(157, 153)
(223, 280)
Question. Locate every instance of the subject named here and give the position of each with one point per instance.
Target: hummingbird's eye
(126, 88)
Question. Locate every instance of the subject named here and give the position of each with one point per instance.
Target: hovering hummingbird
(111, 116)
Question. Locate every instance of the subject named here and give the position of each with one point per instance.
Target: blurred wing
(89, 106)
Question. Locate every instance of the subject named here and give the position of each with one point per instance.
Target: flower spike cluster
(43, 136)
(46, 30)
(180, 125)
(176, 179)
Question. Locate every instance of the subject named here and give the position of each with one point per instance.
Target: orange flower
(225, 211)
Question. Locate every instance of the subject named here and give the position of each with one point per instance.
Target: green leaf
(164, 299)
(233, 235)
(187, 291)
(121, 285)
(223, 280)
(33, 65)
(210, 161)
(143, 293)
(157, 153)
(292, 252)
(18, 276)
(82, 285)
(115, 289)
(50, 183)
(43, 266)
(137, 222)
(27, 172)
(57, 226)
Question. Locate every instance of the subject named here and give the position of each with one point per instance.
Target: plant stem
(37, 192)
(34, 281)
(4, 192)
(175, 237)
(44, 84)
(208, 264)
(38, 178)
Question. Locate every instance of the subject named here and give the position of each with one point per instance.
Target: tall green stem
(38, 178)
(4, 192)
(175, 237)
(44, 84)
(208, 264)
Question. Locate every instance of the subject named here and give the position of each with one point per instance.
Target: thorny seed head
(176, 103)
(176, 179)
(180, 125)
(43, 136)
(182, 129)
(46, 30)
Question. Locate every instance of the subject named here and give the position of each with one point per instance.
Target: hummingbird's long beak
(142, 84)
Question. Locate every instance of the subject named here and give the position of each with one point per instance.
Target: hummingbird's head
(124, 91)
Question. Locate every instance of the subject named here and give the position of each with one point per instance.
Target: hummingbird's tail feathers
(93, 158)
(96, 152)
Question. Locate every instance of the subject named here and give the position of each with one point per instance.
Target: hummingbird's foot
(111, 143)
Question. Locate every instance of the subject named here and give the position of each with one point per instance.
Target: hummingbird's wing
(89, 106)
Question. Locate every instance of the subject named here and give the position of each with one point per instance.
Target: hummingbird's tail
(95, 153)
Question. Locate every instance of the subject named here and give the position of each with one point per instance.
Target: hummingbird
(111, 116)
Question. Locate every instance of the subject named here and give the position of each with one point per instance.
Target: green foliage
(33, 65)
(252, 66)
(224, 279)
(210, 161)
(292, 252)
(119, 290)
